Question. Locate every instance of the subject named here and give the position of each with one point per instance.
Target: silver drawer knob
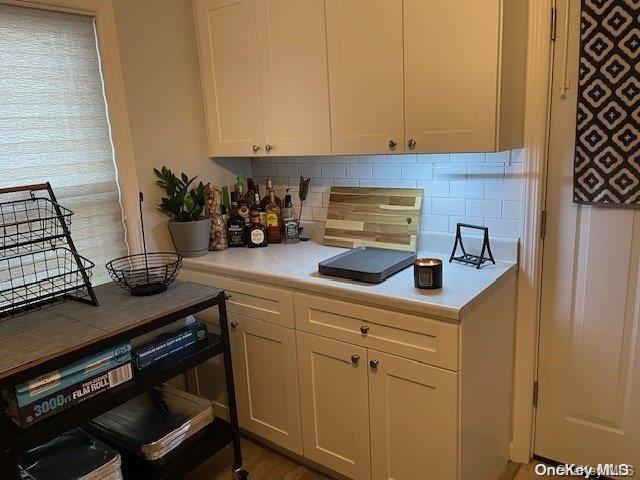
(234, 324)
(411, 144)
(355, 359)
(392, 144)
(268, 148)
(256, 148)
(364, 329)
(374, 363)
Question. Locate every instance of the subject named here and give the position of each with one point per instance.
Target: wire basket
(30, 225)
(39, 278)
(145, 273)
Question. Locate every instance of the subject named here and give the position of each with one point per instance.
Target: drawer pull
(234, 325)
(364, 329)
(374, 363)
(355, 359)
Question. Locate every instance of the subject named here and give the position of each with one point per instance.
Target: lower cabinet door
(266, 380)
(414, 412)
(334, 404)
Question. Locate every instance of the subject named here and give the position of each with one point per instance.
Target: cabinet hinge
(554, 22)
(535, 394)
(543, 224)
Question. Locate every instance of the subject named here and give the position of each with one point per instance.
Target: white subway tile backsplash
(504, 227)
(466, 189)
(360, 171)
(434, 223)
(454, 220)
(312, 170)
(512, 210)
(372, 159)
(479, 188)
(387, 171)
(448, 206)
(433, 158)
(334, 170)
(450, 171)
(483, 208)
(468, 157)
(504, 190)
(288, 170)
(346, 182)
(417, 171)
(434, 188)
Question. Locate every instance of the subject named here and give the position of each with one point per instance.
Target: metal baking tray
(367, 264)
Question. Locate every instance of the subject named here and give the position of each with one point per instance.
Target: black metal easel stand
(475, 260)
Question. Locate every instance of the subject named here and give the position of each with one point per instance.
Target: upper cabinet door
(228, 49)
(293, 76)
(451, 74)
(364, 40)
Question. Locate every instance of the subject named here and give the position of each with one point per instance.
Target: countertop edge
(437, 312)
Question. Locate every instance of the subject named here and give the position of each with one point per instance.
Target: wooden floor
(264, 464)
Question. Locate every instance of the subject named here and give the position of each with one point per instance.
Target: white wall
(162, 85)
(477, 188)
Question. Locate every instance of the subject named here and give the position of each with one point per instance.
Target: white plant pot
(191, 239)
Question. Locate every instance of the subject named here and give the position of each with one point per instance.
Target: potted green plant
(189, 225)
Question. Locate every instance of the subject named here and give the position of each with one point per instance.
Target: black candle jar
(427, 273)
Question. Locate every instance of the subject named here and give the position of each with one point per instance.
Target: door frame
(540, 46)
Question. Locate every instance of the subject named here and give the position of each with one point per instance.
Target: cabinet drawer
(272, 305)
(409, 336)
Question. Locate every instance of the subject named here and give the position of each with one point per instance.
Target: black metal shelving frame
(40, 261)
(15, 440)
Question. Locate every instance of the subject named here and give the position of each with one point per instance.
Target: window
(54, 125)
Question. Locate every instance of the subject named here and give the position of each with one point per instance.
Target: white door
(364, 42)
(589, 367)
(266, 380)
(334, 404)
(406, 446)
(228, 51)
(293, 77)
(451, 74)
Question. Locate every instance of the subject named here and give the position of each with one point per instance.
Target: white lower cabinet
(334, 404)
(266, 380)
(413, 416)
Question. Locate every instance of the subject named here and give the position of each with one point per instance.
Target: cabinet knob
(268, 148)
(355, 359)
(234, 324)
(392, 144)
(256, 148)
(364, 329)
(374, 363)
(411, 143)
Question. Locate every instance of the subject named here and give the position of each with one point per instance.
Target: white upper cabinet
(315, 77)
(364, 43)
(228, 49)
(464, 74)
(293, 76)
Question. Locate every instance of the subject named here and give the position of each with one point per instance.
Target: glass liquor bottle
(236, 229)
(274, 220)
(257, 232)
(243, 207)
(290, 222)
(265, 200)
(248, 195)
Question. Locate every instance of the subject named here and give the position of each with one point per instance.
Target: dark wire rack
(39, 263)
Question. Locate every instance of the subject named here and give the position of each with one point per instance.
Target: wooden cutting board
(374, 217)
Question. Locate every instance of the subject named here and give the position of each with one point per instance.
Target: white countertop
(296, 266)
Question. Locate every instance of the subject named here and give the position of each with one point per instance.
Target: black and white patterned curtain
(607, 160)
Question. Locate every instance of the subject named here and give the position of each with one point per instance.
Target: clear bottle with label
(290, 222)
(257, 232)
(236, 229)
(274, 220)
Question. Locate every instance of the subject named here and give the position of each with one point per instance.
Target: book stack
(74, 454)
(41, 397)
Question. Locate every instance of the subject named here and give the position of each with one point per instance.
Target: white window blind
(54, 125)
